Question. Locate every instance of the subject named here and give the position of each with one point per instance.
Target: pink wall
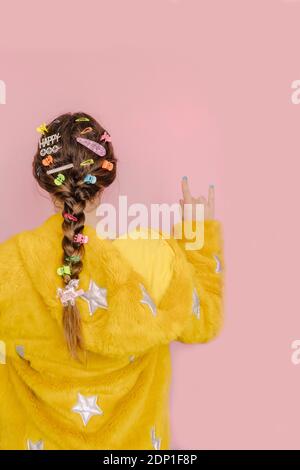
(186, 87)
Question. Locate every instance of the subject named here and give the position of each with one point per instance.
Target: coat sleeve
(207, 269)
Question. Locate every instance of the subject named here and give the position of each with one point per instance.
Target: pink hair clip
(81, 239)
(106, 137)
(92, 145)
(70, 217)
(69, 294)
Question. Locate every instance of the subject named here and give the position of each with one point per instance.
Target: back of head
(74, 162)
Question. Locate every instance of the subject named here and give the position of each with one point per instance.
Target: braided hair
(73, 194)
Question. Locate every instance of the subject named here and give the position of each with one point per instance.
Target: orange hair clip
(107, 165)
(86, 130)
(47, 161)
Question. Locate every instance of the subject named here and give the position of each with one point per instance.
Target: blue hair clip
(90, 179)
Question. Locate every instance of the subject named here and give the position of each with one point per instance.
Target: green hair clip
(73, 259)
(82, 119)
(64, 270)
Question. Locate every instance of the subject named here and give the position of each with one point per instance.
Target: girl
(86, 322)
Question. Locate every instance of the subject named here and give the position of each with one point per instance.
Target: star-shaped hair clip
(42, 128)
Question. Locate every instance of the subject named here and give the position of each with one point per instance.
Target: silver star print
(20, 350)
(96, 297)
(218, 267)
(196, 304)
(87, 407)
(156, 442)
(147, 300)
(39, 445)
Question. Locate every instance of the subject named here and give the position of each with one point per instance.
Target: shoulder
(150, 255)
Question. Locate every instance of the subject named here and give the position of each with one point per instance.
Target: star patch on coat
(39, 445)
(156, 442)
(147, 300)
(96, 297)
(87, 407)
(196, 304)
(218, 264)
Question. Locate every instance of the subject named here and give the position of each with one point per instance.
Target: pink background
(188, 87)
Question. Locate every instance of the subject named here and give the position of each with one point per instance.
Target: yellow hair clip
(42, 128)
(87, 162)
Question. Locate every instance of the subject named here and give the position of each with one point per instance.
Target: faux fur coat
(140, 295)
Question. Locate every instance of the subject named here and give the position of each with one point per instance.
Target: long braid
(73, 195)
(72, 256)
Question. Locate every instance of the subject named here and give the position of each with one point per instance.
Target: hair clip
(49, 140)
(60, 168)
(59, 179)
(47, 161)
(106, 137)
(81, 239)
(86, 130)
(70, 217)
(62, 270)
(42, 128)
(82, 119)
(69, 294)
(87, 162)
(107, 165)
(90, 179)
(73, 259)
(49, 150)
(92, 145)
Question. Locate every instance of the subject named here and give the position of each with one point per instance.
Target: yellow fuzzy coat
(116, 396)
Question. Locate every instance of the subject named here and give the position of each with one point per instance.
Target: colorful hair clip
(60, 168)
(107, 165)
(59, 179)
(49, 140)
(70, 217)
(106, 137)
(62, 270)
(42, 128)
(47, 161)
(73, 259)
(90, 179)
(81, 239)
(69, 294)
(82, 119)
(86, 130)
(87, 162)
(92, 145)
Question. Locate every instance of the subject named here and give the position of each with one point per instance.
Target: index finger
(187, 197)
